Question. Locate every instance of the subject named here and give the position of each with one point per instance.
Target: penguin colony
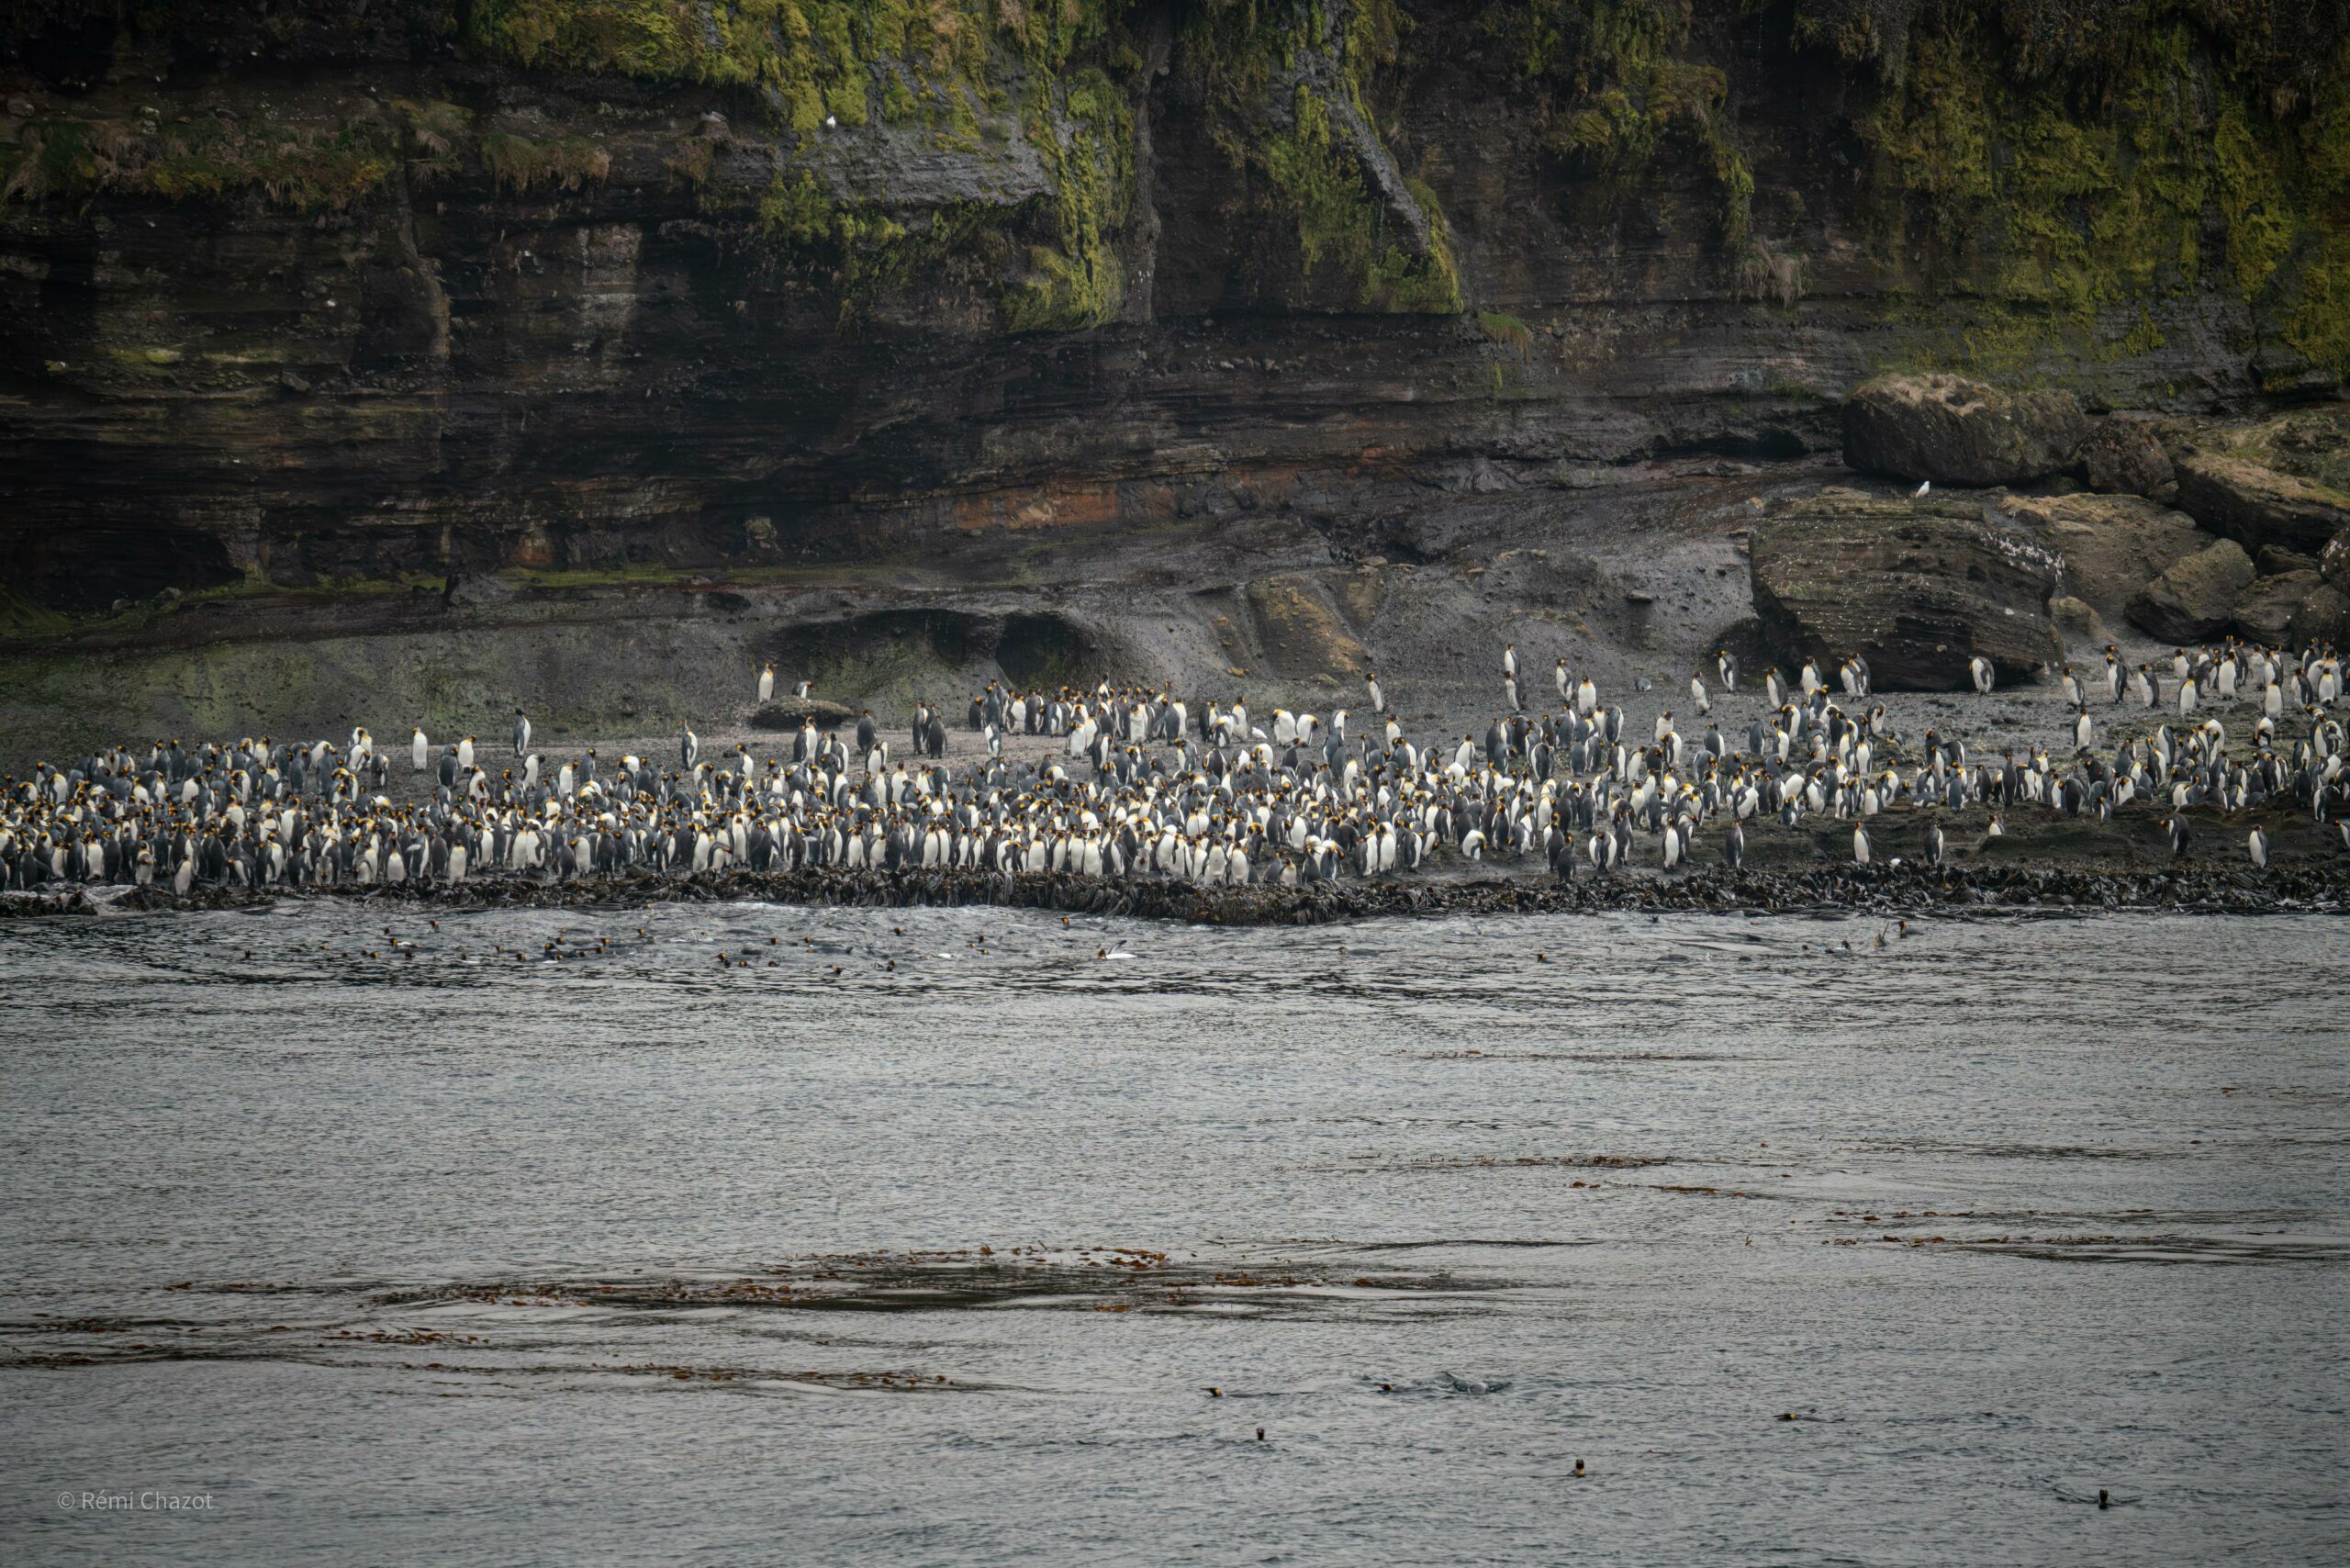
(1140, 784)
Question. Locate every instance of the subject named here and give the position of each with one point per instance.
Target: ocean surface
(980, 1238)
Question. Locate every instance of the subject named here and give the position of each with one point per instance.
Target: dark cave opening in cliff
(1030, 649)
(1043, 650)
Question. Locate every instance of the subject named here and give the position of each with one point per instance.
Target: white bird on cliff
(766, 683)
(1920, 492)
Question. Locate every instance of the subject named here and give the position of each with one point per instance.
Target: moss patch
(1306, 151)
(2051, 199)
(298, 167)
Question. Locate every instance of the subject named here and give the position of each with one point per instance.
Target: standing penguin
(1980, 669)
(1378, 698)
(1509, 690)
(1727, 667)
(419, 753)
(1509, 658)
(1734, 846)
(1934, 844)
(2083, 730)
(766, 682)
(521, 734)
(2257, 843)
(1859, 845)
(688, 747)
(2176, 827)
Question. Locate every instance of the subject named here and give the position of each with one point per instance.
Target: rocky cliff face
(313, 308)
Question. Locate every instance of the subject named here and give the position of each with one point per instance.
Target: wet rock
(2078, 624)
(2112, 546)
(2197, 597)
(1956, 431)
(2124, 456)
(2321, 883)
(2233, 494)
(2264, 611)
(1916, 586)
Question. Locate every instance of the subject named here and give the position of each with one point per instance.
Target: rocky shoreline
(1889, 889)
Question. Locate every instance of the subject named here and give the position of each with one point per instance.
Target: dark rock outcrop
(2197, 597)
(2273, 560)
(2112, 546)
(2334, 565)
(2123, 457)
(789, 712)
(2323, 616)
(1956, 431)
(1918, 587)
(2267, 611)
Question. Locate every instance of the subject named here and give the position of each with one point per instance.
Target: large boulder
(1956, 431)
(1918, 587)
(2264, 611)
(2077, 623)
(2234, 495)
(2197, 597)
(2121, 456)
(2284, 481)
(2323, 616)
(2112, 546)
